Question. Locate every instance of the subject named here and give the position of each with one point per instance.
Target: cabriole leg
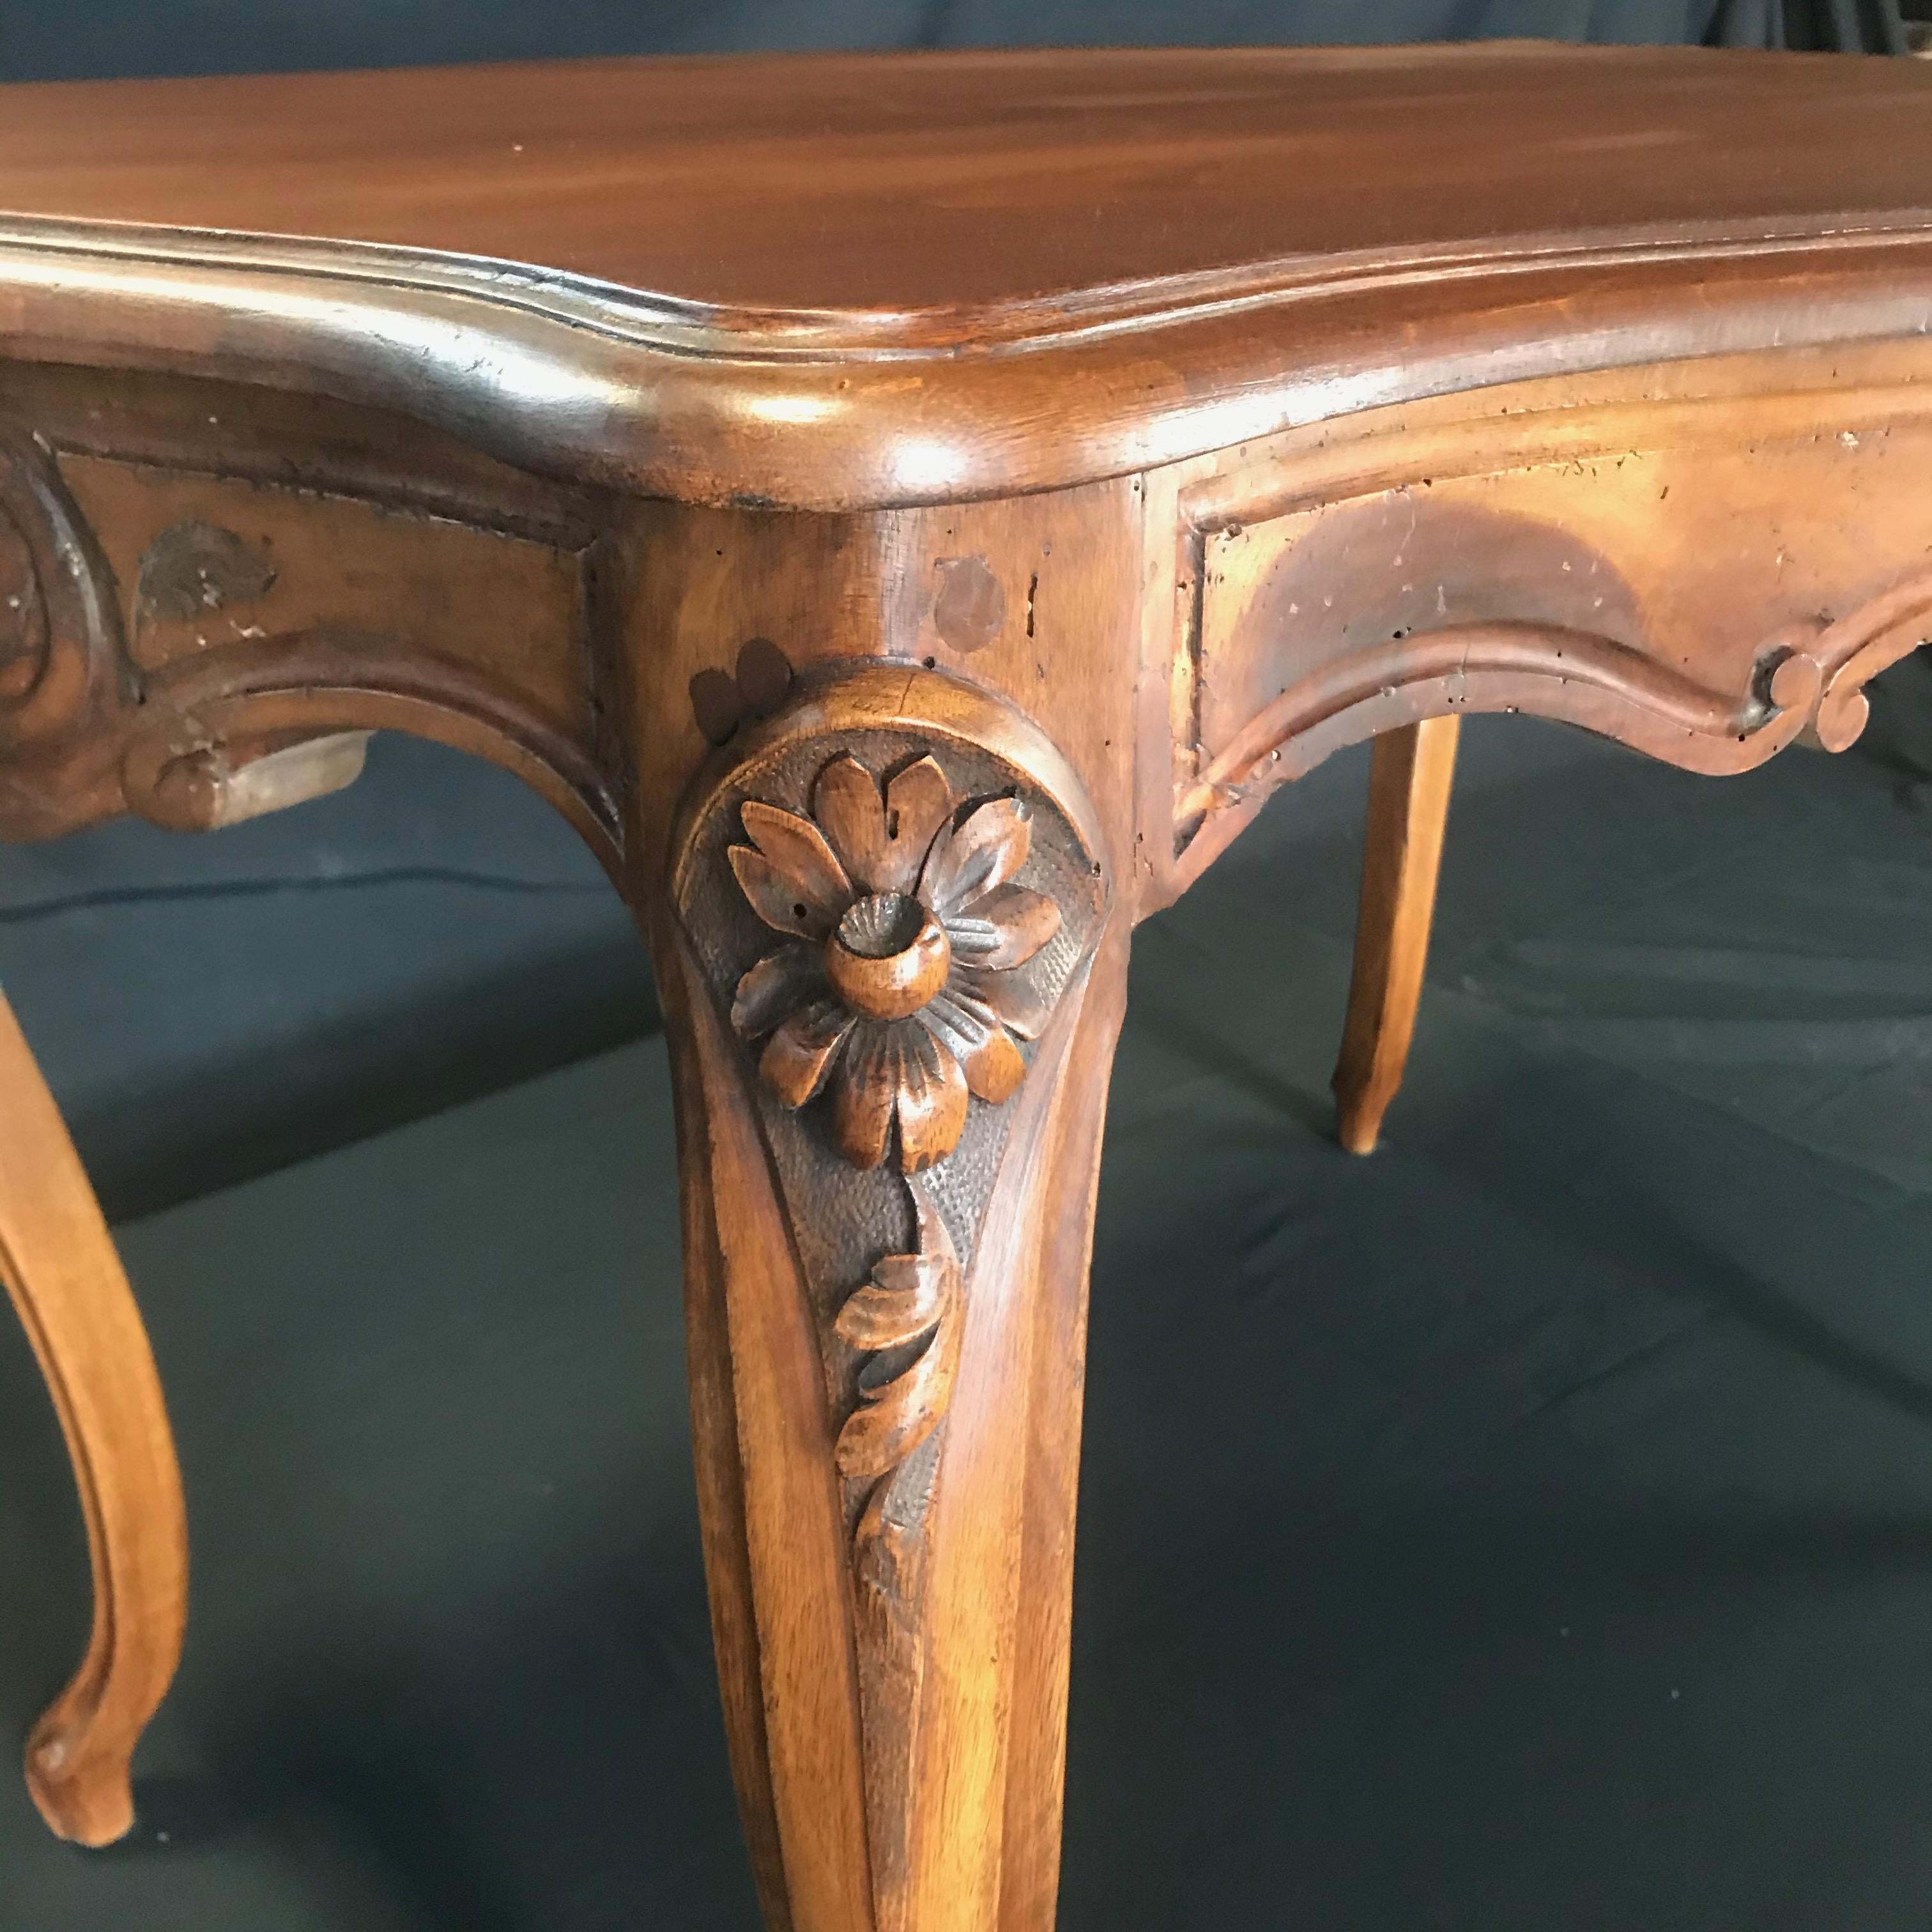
(66, 1281)
(1409, 779)
(893, 982)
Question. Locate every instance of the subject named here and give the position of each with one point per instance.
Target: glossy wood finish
(1410, 774)
(909, 514)
(1149, 255)
(866, 186)
(58, 1263)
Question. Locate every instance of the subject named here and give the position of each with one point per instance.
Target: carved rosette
(893, 892)
(23, 613)
(899, 986)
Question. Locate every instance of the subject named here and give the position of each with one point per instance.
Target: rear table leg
(66, 1281)
(1409, 782)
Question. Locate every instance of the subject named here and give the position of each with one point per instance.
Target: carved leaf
(1019, 1007)
(894, 1419)
(794, 879)
(799, 1055)
(780, 981)
(910, 1296)
(991, 1062)
(907, 1295)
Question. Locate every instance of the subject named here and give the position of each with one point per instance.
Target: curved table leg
(891, 985)
(1409, 781)
(895, 1698)
(65, 1278)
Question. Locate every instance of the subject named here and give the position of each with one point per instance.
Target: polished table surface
(908, 514)
(1189, 247)
(923, 189)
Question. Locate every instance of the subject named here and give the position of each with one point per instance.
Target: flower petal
(799, 1056)
(798, 857)
(775, 897)
(984, 852)
(993, 1065)
(846, 801)
(931, 1099)
(918, 801)
(1008, 995)
(863, 1097)
(1006, 928)
(781, 980)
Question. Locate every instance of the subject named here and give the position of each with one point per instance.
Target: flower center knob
(888, 957)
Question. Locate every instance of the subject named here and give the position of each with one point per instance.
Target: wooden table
(908, 514)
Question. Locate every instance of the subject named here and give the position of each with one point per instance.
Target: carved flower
(896, 989)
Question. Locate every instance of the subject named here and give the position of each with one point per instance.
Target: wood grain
(58, 1260)
(918, 191)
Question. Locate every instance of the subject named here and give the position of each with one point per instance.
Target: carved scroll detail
(925, 861)
(1808, 681)
(23, 617)
(64, 665)
(96, 720)
(1857, 647)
